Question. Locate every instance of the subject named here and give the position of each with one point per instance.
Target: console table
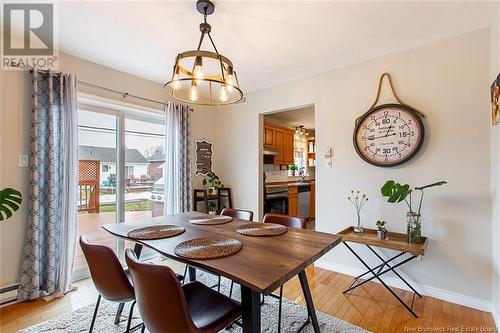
(203, 195)
(395, 241)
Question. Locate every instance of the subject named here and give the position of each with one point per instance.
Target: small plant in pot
(212, 183)
(381, 230)
(292, 170)
(211, 208)
(395, 192)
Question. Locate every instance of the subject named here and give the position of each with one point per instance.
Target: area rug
(293, 317)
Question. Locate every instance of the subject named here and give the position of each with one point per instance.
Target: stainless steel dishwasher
(304, 203)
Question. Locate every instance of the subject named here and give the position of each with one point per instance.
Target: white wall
(495, 172)
(448, 80)
(15, 99)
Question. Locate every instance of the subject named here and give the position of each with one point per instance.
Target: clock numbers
(389, 135)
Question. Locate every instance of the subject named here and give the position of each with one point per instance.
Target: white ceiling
(270, 42)
(295, 117)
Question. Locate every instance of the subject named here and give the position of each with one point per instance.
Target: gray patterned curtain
(178, 183)
(51, 230)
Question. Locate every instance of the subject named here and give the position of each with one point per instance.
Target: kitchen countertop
(290, 183)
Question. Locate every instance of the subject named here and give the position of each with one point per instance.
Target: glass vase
(358, 228)
(414, 231)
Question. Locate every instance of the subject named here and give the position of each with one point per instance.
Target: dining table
(261, 266)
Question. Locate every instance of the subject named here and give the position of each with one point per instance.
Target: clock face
(389, 135)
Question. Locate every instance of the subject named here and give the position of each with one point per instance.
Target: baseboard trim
(496, 316)
(8, 294)
(445, 295)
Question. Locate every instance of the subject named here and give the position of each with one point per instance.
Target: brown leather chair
(166, 306)
(238, 214)
(291, 222)
(287, 221)
(110, 280)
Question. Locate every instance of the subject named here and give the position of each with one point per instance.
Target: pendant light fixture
(204, 77)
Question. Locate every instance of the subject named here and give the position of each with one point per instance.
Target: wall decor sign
(203, 157)
(390, 134)
(495, 101)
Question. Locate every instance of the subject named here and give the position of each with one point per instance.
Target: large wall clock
(388, 135)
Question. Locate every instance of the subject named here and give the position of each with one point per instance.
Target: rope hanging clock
(389, 134)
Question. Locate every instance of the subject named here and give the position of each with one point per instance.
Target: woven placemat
(208, 248)
(156, 232)
(211, 220)
(261, 229)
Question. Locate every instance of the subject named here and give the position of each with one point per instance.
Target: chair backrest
(160, 297)
(107, 272)
(238, 214)
(288, 221)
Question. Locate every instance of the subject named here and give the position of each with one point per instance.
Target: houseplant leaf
(10, 200)
(431, 185)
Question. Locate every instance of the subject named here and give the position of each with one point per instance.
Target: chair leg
(218, 284)
(143, 328)
(279, 309)
(185, 274)
(95, 313)
(119, 313)
(231, 289)
(130, 317)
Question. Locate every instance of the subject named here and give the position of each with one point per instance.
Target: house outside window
(129, 171)
(105, 168)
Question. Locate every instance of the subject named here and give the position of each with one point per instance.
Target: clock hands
(382, 136)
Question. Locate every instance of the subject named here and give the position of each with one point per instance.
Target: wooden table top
(263, 264)
(395, 241)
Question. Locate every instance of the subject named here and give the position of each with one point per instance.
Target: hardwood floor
(371, 306)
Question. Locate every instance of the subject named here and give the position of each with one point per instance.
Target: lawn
(129, 206)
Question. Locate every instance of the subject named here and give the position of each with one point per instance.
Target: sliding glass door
(121, 157)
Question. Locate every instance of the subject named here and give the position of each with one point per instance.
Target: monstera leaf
(10, 200)
(395, 192)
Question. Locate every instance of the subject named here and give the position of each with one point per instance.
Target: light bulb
(176, 84)
(230, 79)
(198, 67)
(193, 92)
(223, 96)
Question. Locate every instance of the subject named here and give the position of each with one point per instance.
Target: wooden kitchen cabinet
(288, 148)
(280, 139)
(269, 136)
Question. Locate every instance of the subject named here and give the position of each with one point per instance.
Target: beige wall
(448, 80)
(495, 171)
(15, 99)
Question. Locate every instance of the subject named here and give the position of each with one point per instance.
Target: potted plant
(10, 200)
(381, 230)
(212, 182)
(395, 192)
(358, 200)
(211, 208)
(292, 170)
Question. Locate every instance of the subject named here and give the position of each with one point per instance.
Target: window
(123, 189)
(129, 172)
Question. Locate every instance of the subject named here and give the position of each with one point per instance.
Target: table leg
(192, 274)
(392, 269)
(309, 301)
(138, 249)
(250, 302)
(376, 275)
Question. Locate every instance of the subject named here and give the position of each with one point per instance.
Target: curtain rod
(123, 93)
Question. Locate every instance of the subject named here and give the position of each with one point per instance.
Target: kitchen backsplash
(273, 173)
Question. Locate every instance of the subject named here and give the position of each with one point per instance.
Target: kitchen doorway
(288, 163)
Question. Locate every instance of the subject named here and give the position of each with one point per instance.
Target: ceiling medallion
(204, 77)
